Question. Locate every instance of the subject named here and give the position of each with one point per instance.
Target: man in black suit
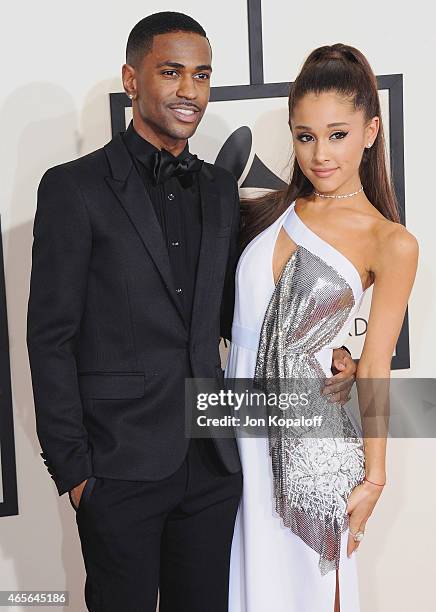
(134, 247)
(133, 261)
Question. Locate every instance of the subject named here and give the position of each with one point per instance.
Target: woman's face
(329, 138)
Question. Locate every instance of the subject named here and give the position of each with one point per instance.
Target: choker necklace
(338, 197)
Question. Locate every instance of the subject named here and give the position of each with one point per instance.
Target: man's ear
(129, 80)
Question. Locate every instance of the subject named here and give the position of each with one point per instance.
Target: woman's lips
(324, 173)
(186, 115)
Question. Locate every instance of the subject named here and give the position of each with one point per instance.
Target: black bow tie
(166, 165)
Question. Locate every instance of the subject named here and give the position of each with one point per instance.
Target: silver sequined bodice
(294, 330)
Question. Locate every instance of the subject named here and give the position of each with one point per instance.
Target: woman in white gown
(310, 254)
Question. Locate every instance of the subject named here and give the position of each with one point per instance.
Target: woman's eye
(339, 135)
(304, 137)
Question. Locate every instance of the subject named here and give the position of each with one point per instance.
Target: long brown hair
(343, 69)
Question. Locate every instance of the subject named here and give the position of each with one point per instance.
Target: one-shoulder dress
(273, 567)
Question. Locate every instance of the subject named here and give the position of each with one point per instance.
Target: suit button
(171, 196)
(175, 243)
(178, 290)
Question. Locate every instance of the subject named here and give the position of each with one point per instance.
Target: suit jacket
(108, 344)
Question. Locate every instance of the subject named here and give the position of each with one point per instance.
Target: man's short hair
(140, 39)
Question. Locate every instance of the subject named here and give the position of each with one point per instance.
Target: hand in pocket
(76, 493)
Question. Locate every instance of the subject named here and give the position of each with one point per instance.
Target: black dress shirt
(177, 205)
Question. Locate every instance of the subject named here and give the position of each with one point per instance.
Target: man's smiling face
(172, 84)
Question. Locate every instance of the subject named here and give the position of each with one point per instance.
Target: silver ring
(358, 536)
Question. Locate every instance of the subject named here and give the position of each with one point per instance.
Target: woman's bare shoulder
(393, 240)
(392, 235)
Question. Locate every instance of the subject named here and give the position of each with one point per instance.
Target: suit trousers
(173, 536)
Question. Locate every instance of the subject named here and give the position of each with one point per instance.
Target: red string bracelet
(374, 483)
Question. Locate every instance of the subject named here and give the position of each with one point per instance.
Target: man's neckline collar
(142, 148)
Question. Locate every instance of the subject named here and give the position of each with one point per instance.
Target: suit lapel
(210, 222)
(128, 187)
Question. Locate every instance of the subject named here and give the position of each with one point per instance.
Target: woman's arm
(394, 272)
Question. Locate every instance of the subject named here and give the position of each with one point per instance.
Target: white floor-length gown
(271, 567)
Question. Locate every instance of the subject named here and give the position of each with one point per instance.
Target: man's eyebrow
(330, 125)
(181, 66)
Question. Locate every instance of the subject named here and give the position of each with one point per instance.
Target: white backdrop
(60, 61)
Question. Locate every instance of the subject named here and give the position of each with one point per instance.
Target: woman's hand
(360, 505)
